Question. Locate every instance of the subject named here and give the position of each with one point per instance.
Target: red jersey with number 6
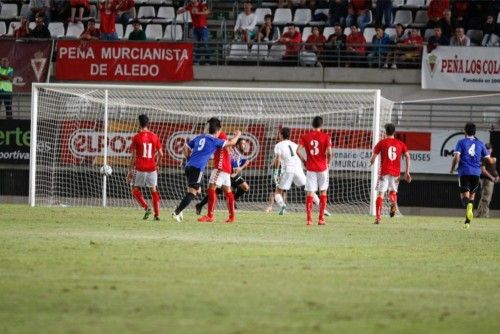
(316, 143)
(222, 159)
(145, 144)
(390, 150)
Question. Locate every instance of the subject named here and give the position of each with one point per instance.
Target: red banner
(124, 61)
(29, 59)
(83, 142)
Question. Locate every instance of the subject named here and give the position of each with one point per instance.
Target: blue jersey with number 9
(471, 151)
(202, 148)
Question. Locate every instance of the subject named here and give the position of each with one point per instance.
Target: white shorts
(387, 182)
(287, 178)
(145, 179)
(220, 178)
(317, 181)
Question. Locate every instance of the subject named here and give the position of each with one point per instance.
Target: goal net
(76, 129)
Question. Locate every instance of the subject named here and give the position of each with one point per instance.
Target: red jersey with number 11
(390, 150)
(316, 143)
(145, 144)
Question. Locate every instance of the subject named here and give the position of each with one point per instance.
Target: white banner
(461, 68)
(430, 151)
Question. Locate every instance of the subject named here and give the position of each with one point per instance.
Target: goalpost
(78, 128)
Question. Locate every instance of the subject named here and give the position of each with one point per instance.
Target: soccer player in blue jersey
(198, 152)
(468, 155)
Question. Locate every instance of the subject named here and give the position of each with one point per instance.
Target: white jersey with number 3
(286, 150)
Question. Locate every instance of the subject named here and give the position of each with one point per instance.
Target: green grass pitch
(83, 270)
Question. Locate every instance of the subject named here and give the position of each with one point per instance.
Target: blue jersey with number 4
(471, 151)
(202, 149)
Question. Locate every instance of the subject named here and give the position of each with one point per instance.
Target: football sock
(184, 203)
(137, 193)
(212, 201)
(156, 203)
(322, 206)
(203, 202)
(230, 203)
(309, 207)
(378, 207)
(239, 192)
(279, 200)
(315, 199)
(393, 196)
(465, 201)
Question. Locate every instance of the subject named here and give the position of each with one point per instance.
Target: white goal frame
(34, 119)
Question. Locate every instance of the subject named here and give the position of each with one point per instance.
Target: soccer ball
(106, 170)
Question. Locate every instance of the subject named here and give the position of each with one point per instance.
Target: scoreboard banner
(82, 143)
(30, 60)
(124, 61)
(461, 68)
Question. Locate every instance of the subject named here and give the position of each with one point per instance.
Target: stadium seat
(154, 31)
(476, 36)
(146, 14)
(347, 31)
(403, 17)
(238, 51)
(306, 33)
(328, 31)
(74, 30)
(391, 32)
(13, 26)
(128, 30)
(302, 16)
(282, 16)
(260, 13)
(56, 29)
(269, 4)
(421, 19)
(498, 17)
(32, 25)
(165, 15)
(25, 10)
(428, 34)
(317, 12)
(414, 4)
(119, 30)
(184, 17)
(173, 32)
(398, 3)
(3, 29)
(369, 33)
(9, 11)
(259, 51)
(277, 51)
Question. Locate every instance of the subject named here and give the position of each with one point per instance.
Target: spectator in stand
(108, 14)
(395, 53)
(39, 7)
(137, 34)
(447, 24)
(379, 48)
(199, 13)
(355, 46)
(125, 11)
(490, 28)
(435, 11)
(338, 11)
(292, 39)
(315, 42)
(268, 32)
(489, 176)
(460, 9)
(82, 6)
(6, 78)
(335, 44)
(460, 39)
(23, 30)
(244, 28)
(91, 33)
(437, 39)
(60, 10)
(413, 48)
(359, 13)
(40, 30)
(383, 10)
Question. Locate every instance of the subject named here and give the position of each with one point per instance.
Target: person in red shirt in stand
(199, 13)
(316, 41)
(318, 147)
(292, 39)
(143, 171)
(219, 178)
(23, 31)
(107, 28)
(82, 6)
(355, 46)
(412, 48)
(91, 33)
(435, 12)
(125, 11)
(391, 151)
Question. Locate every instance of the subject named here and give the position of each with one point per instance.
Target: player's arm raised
(233, 140)
(408, 166)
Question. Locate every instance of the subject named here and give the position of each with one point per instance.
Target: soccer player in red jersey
(318, 147)
(220, 178)
(391, 150)
(146, 151)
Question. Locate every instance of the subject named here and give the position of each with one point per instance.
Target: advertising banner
(14, 141)
(29, 59)
(124, 61)
(461, 68)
